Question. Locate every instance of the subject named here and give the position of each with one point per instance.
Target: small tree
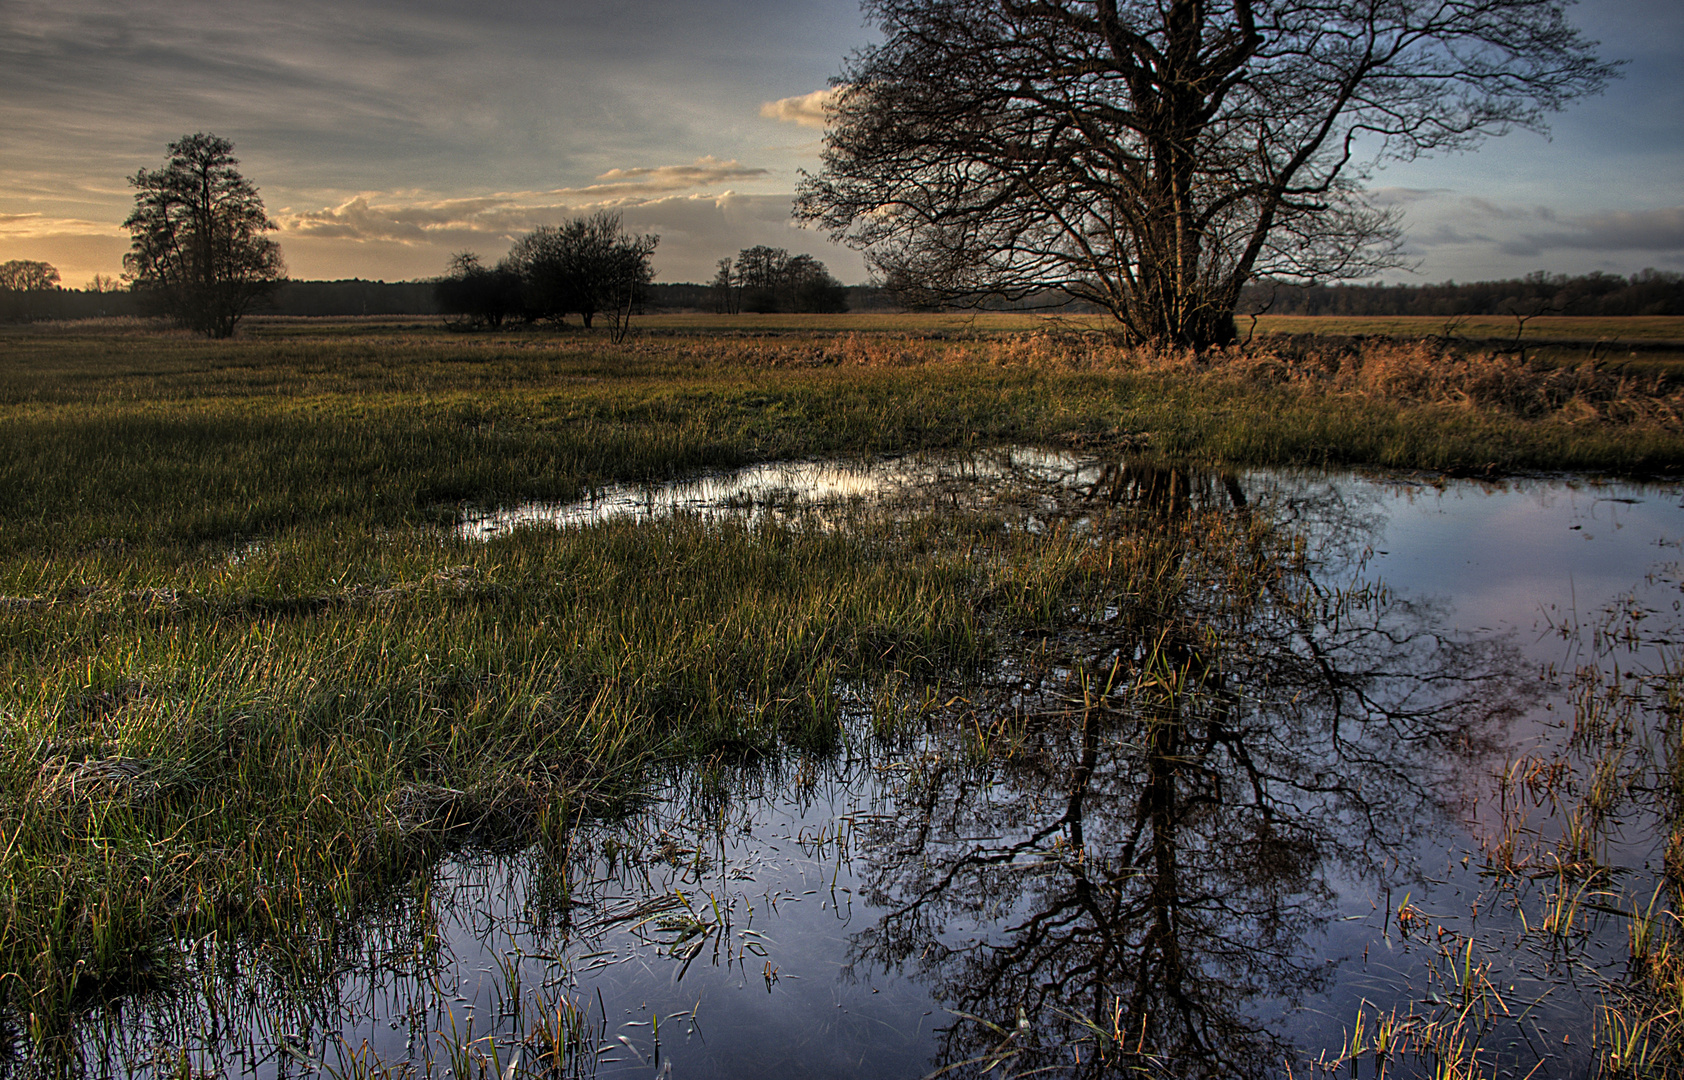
(472, 296)
(589, 265)
(22, 281)
(197, 251)
(726, 295)
(621, 279)
(545, 262)
(770, 279)
(28, 275)
(810, 288)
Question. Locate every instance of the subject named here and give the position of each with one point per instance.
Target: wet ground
(1213, 841)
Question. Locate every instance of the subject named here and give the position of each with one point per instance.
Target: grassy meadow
(250, 676)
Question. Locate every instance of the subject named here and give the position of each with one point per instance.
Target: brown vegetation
(1418, 372)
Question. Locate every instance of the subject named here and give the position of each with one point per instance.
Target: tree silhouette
(1152, 156)
(1144, 861)
(589, 265)
(198, 250)
(21, 283)
(471, 296)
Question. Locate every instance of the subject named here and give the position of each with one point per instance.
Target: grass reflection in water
(1086, 760)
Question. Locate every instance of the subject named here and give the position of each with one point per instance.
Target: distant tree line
(29, 290)
(1650, 292)
(588, 267)
(103, 297)
(768, 279)
(354, 297)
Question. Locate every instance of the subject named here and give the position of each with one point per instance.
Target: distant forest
(1650, 292)
(355, 296)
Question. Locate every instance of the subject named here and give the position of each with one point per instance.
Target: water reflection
(787, 489)
(1130, 846)
(1133, 876)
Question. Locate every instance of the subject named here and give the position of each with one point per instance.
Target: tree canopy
(471, 295)
(768, 279)
(1152, 156)
(28, 275)
(588, 265)
(198, 250)
(22, 285)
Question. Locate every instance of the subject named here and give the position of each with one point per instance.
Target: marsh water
(1208, 843)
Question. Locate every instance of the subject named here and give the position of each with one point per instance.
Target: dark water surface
(1283, 820)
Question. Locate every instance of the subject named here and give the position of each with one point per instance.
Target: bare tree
(589, 265)
(770, 279)
(727, 294)
(28, 275)
(1154, 846)
(472, 296)
(197, 247)
(623, 283)
(1152, 156)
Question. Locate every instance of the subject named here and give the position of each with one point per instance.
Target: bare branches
(1152, 156)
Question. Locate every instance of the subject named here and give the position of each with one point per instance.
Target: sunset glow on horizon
(384, 137)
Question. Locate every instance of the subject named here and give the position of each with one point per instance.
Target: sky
(385, 135)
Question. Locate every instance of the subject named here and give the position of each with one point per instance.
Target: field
(1498, 328)
(252, 679)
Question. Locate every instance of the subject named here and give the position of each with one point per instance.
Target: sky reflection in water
(1214, 875)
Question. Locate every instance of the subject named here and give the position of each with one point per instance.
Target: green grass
(249, 677)
(161, 439)
(253, 741)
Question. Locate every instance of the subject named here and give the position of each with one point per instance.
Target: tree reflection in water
(1112, 853)
(1117, 854)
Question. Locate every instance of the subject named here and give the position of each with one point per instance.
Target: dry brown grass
(1418, 372)
(1425, 372)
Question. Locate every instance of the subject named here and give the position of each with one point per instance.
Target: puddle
(785, 488)
(1216, 879)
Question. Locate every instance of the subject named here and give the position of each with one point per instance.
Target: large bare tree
(1152, 156)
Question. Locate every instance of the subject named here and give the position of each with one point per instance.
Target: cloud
(808, 110)
(1496, 211)
(398, 235)
(1442, 219)
(34, 226)
(508, 214)
(704, 171)
(1403, 196)
(503, 216)
(1618, 230)
(404, 223)
(1443, 233)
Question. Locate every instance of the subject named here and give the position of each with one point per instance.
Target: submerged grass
(260, 742)
(249, 682)
(1587, 838)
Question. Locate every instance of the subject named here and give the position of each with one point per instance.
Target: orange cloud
(808, 110)
(33, 226)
